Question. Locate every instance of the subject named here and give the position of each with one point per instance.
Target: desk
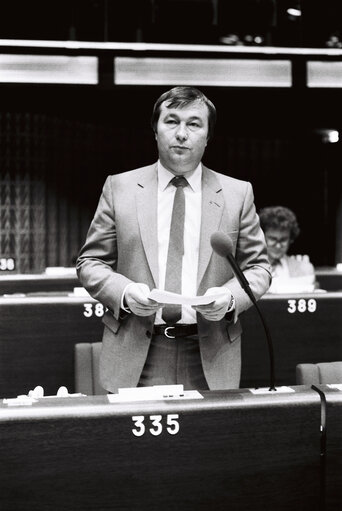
(37, 282)
(233, 450)
(304, 327)
(329, 278)
(37, 338)
(38, 334)
(333, 458)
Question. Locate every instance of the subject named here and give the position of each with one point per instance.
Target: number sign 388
(93, 309)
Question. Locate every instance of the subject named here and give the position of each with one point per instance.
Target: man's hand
(217, 309)
(136, 297)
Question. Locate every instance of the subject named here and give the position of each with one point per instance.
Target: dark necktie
(173, 277)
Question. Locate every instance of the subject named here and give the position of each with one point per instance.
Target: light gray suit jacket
(121, 247)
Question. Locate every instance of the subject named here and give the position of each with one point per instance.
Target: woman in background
(290, 272)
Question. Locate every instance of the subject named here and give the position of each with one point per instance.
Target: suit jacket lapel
(212, 210)
(147, 212)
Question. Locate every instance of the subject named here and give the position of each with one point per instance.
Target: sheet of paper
(161, 296)
(303, 284)
(337, 386)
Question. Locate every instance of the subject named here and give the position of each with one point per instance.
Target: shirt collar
(165, 176)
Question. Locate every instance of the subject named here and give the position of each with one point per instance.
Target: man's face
(182, 136)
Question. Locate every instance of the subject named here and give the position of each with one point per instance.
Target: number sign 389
(301, 305)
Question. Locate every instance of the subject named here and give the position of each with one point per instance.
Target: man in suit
(128, 252)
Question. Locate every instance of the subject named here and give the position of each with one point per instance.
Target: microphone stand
(245, 285)
(270, 347)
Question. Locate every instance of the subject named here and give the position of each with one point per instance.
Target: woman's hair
(179, 97)
(279, 217)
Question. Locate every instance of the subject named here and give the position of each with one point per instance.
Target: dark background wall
(57, 145)
(174, 21)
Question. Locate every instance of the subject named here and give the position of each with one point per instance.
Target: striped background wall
(44, 163)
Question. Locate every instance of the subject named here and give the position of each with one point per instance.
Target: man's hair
(279, 217)
(180, 97)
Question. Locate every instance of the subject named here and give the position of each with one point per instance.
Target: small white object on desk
(153, 393)
(60, 270)
(22, 400)
(79, 291)
(62, 392)
(337, 386)
(38, 393)
(266, 390)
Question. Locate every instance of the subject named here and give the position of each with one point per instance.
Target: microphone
(223, 246)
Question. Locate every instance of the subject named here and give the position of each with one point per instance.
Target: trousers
(172, 362)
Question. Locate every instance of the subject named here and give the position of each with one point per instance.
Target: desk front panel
(10, 284)
(333, 454)
(304, 328)
(329, 278)
(230, 450)
(37, 338)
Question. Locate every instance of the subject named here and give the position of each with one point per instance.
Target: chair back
(324, 373)
(87, 368)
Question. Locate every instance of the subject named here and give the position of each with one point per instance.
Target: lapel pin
(212, 202)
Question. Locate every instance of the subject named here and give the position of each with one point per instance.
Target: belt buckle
(167, 334)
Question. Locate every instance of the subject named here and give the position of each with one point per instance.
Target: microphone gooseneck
(223, 246)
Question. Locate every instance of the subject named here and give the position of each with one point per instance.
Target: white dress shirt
(192, 228)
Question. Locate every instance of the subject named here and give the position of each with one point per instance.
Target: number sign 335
(155, 424)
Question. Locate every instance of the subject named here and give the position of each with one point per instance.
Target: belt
(175, 331)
